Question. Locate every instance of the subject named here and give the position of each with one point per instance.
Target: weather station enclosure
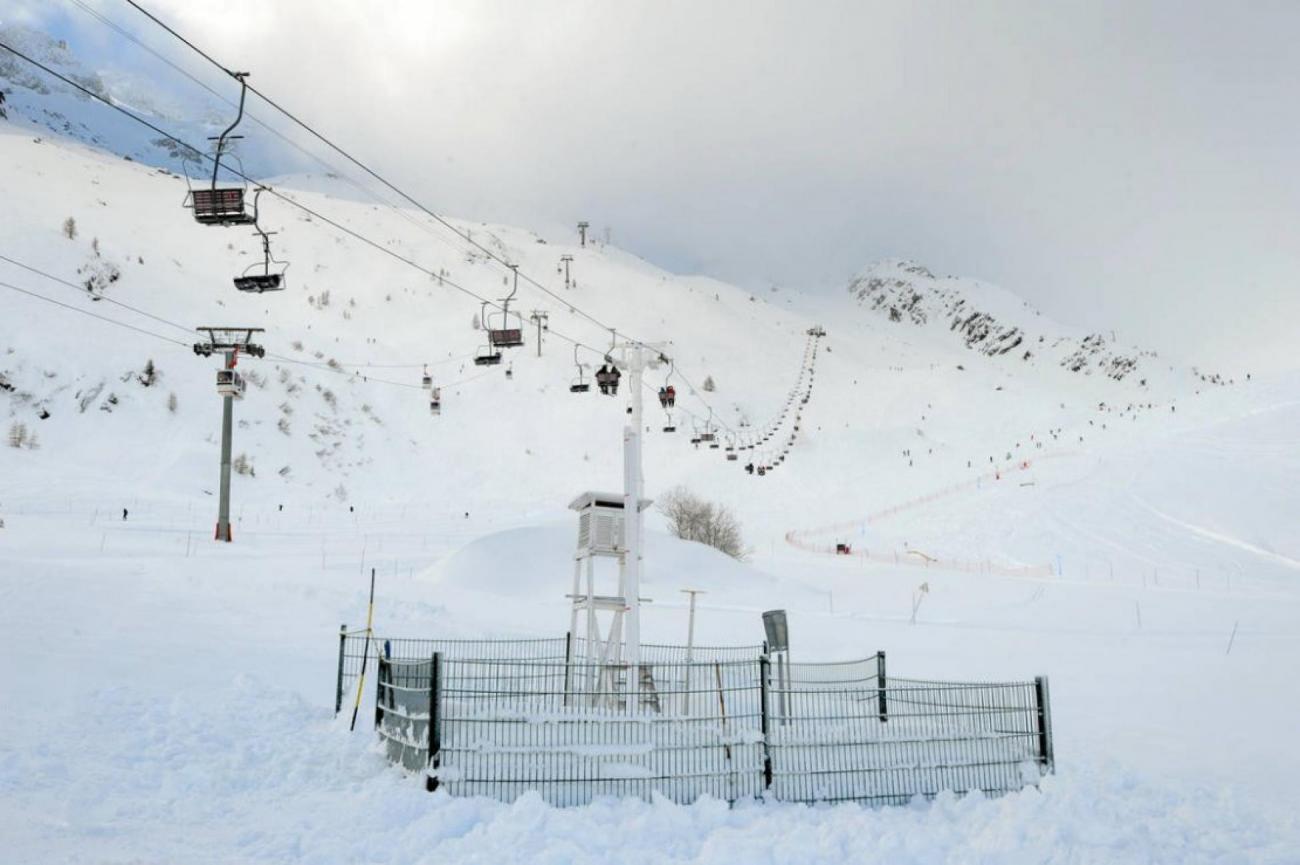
(499, 718)
(597, 713)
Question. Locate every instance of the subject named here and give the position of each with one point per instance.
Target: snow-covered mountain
(40, 101)
(989, 320)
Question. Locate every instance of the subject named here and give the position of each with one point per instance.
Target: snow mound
(537, 562)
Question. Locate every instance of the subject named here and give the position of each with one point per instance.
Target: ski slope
(167, 698)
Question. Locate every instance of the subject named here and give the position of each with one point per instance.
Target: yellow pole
(365, 654)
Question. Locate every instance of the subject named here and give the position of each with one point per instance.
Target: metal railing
(761, 727)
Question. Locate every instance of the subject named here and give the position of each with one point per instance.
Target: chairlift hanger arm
(241, 77)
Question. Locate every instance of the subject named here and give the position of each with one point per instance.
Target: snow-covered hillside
(995, 323)
(185, 688)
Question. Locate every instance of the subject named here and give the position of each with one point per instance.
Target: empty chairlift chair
(507, 331)
(223, 205)
(268, 279)
(579, 384)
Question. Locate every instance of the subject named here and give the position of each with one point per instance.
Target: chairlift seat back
(224, 206)
(510, 337)
(579, 388)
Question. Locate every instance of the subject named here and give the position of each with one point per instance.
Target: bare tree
(709, 385)
(70, 228)
(691, 518)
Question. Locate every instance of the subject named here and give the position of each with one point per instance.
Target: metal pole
(882, 704)
(227, 428)
(338, 689)
(765, 712)
(632, 492)
(435, 723)
(690, 649)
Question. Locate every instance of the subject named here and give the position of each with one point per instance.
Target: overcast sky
(1127, 165)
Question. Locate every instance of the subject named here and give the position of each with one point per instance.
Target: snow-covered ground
(165, 698)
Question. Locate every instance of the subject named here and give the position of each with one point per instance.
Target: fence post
(1045, 755)
(881, 702)
(338, 687)
(764, 674)
(568, 666)
(435, 723)
(384, 667)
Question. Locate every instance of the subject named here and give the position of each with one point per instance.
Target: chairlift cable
(311, 211)
(465, 236)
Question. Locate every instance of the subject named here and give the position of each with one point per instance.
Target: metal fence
(727, 729)
(557, 649)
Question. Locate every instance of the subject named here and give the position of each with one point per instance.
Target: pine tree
(70, 228)
(709, 385)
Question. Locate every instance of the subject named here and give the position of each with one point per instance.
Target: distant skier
(123, 514)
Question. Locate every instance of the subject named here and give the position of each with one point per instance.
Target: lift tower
(230, 342)
(565, 261)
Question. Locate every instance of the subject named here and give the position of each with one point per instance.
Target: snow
(165, 698)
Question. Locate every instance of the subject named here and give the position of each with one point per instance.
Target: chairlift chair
(607, 378)
(503, 335)
(487, 357)
(668, 393)
(435, 401)
(258, 283)
(426, 381)
(579, 384)
(223, 205)
(708, 434)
